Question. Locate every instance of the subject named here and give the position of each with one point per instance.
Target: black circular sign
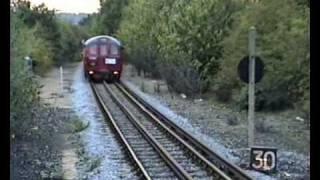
(243, 69)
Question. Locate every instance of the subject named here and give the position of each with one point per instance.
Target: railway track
(159, 148)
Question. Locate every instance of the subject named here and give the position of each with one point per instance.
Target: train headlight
(115, 72)
(90, 72)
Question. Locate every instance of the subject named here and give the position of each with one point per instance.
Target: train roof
(96, 38)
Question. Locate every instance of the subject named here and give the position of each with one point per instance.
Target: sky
(72, 6)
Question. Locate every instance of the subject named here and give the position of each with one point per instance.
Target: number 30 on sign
(263, 159)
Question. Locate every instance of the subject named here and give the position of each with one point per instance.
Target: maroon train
(103, 58)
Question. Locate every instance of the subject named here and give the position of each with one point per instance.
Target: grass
(86, 162)
(93, 164)
(232, 120)
(263, 126)
(78, 126)
(142, 87)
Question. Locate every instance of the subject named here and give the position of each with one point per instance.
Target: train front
(103, 59)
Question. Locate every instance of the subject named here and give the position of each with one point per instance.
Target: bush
(232, 120)
(223, 89)
(282, 43)
(24, 90)
(186, 37)
(266, 100)
(70, 42)
(223, 94)
(23, 98)
(263, 126)
(34, 32)
(181, 79)
(78, 125)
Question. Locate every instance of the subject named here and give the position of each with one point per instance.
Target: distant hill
(72, 18)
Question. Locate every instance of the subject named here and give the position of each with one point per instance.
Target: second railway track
(159, 150)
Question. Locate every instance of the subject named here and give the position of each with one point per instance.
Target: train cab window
(114, 50)
(103, 50)
(93, 50)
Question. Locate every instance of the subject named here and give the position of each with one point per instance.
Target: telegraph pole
(252, 54)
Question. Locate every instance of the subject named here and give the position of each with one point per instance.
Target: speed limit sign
(263, 159)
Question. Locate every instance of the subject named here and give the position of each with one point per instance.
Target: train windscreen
(114, 50)
(93, 50)
(103, 50)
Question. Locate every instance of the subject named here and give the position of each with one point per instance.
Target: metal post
(61, 79)
(252, 39)
(28, 64)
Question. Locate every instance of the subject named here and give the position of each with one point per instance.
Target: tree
(110, 15)
(187, 32)
(283, 45)
(45, 21)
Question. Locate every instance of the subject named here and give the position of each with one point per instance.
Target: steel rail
(175, 166)
(223, 164)
(107, 113)
(212, 167)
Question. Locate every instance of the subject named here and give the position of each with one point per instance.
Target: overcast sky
(73, 6)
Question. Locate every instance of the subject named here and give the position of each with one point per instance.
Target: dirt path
(55, 96)
(44, 149)
(52, 93)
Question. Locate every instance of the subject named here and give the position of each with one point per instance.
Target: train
(103, 58)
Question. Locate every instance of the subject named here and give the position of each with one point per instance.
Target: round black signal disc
(243, 69)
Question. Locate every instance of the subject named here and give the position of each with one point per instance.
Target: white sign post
(252, 44)
(61, 79)
(262, 158)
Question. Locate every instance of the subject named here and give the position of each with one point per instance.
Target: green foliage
(283, 44)
(197, 28)
(78, 125)
(110, 15)
(90, 25)
(35, 32)
(45, 22)
(210, 37)
(56, 42)
(139, 34)
(70, 42)
(25, 42)
(107, 20)
(23, 88)
(186, 32)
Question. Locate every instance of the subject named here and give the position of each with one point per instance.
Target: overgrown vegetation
(283, 44)
(70, 42)
(107, 20)
(196, 45)
(78, 125)
(35, 32)
(23, 88)
(263, 126)
(183, 50)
